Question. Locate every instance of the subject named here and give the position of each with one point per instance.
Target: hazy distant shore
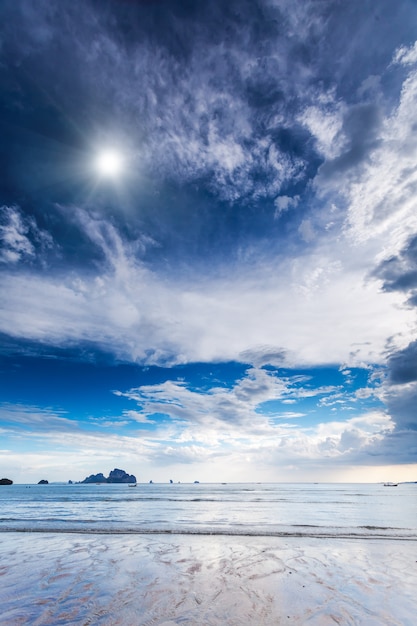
(50, 578)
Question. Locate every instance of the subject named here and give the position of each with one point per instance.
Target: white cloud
(374, 180)
(316, 308)
(365, 392)
(220, 434)
(41, 419)
(16, 244)
(325, 122)
(20, 237)
(229, 421)
(137, 416)
(220, 408)
(283, 203)
(382, 198)
(307, 231)
(406, 55)
(289, 415)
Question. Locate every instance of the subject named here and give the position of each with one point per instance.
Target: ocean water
(313, 510)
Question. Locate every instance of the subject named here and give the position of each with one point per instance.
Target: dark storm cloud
(401, 402)
(403, 365)
(402, 406)
(399, 273)
(400, 445)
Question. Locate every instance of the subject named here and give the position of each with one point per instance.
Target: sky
(208, 240)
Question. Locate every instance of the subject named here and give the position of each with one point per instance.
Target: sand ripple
(50, 579)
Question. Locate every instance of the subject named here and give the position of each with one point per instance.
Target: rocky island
(115, 476)
(6, 481)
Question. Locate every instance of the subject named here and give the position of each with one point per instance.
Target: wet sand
(167, 580)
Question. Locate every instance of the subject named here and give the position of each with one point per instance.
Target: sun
(109, 163)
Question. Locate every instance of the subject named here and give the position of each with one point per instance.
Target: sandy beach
(167, 580)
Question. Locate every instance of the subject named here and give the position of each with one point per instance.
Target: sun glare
(109, 163)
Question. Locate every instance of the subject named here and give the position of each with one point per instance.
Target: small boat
(133, 485)
(390, 484)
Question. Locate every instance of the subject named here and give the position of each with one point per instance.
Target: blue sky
(238, 300)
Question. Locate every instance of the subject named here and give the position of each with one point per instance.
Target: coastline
(209, 580)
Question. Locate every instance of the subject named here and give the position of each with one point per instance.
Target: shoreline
(207, 533)
(205, 580)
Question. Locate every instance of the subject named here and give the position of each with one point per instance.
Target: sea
(252, 509)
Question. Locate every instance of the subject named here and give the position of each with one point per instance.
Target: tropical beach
(209, 555)
(208, 330)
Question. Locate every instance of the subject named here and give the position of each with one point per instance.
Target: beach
(204, 580)
(208, 555)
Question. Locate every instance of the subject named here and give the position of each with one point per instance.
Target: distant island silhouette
(115, 476)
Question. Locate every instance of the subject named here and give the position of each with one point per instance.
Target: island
(6, 481)
(43, 482)
(115, 476)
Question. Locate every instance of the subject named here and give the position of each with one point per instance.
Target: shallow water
(147, 580)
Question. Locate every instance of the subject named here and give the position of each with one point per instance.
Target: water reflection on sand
(139, 580)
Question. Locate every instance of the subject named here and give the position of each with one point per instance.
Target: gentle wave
(91, 527)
